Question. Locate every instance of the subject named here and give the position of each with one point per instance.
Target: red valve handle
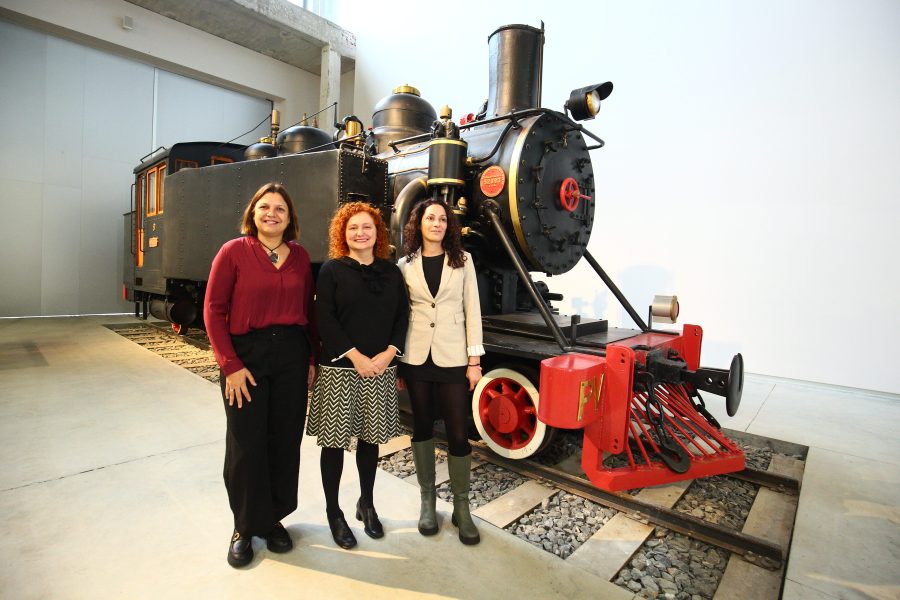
(569, 194)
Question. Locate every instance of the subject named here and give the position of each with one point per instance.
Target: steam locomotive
(520, 178)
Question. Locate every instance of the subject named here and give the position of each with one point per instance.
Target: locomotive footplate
(527, 323)
(540, 344)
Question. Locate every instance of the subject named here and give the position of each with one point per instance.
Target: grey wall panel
(74, 121)
(118, 108)
(106, 189)
(22, 79)
(61, 222)
(243, 112)
(192, 110)
(20, 248)
(64, 126)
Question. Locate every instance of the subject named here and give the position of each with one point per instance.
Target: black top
(360, 306)
(433, 266)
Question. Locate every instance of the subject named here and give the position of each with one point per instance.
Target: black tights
(453, 400)
(332, 464)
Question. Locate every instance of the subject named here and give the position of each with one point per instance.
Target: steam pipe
(408, 196)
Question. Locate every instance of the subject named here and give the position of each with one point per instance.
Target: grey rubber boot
(423, 455)
(460, 475)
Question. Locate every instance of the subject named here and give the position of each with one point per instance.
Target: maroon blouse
(245, 292)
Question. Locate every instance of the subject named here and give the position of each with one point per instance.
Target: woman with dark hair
(257, 309)
(442, 363)
(362, 313)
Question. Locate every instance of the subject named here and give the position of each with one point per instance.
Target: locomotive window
(185, 164)
(161, 180)
(151, 192)
(220, 160)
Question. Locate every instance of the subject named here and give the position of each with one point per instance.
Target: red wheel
(179, 329)
(504, 408)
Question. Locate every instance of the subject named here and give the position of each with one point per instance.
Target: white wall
(752, 163)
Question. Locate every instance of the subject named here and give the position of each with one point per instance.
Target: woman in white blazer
(443, 348)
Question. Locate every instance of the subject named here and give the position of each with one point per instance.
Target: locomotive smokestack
(516, 67)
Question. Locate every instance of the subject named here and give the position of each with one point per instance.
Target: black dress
(433, 266)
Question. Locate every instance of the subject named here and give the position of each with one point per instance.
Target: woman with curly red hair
(362, 312)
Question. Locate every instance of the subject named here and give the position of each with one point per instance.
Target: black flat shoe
(371, 524)
(341, 533)
(278, 540)
(240, 551)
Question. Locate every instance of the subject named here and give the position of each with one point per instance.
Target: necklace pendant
(273, 257)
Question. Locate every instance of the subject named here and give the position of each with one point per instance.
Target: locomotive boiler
(521, 181)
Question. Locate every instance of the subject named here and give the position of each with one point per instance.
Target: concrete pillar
(329, 85)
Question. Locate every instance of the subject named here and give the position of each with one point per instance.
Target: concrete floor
(112, 488)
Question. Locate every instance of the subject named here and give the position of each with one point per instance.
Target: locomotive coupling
(667, 367)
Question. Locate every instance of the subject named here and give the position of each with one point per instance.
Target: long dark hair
(248, 225)
(452, 242)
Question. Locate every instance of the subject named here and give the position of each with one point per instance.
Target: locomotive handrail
(151, 153)
(500, 139)
(513, 116)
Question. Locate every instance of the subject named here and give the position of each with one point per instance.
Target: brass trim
(444, 180)
(449, 141)
(599, 391)
(406, 89)
(513, 198)
(353, 128)
(594, 388)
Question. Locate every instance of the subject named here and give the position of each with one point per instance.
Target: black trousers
(262, 441)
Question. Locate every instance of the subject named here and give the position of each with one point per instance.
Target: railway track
(631, 523)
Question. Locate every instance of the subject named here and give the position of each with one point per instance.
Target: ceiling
(275, 28)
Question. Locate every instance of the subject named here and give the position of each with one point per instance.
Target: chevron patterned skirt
(345, 405)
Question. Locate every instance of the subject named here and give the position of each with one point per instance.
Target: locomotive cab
(145, 281)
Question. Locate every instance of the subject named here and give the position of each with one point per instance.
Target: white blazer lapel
(446, 275)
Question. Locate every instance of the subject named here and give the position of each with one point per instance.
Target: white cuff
(477, 350)
(395, 348)
(343, 355)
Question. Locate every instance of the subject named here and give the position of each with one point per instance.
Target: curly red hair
(337, 231)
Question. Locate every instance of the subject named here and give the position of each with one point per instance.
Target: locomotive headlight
(584, 103)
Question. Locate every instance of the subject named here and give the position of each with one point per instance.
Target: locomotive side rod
(616, 292)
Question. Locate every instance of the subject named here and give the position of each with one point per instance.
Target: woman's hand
(401, 384)
(382, 360)
(311, 377)
(473, 374)
(236, 387)
(362, 363)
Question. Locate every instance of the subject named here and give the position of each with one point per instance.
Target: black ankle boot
(371, 524)
(341, 533)
(278, 540)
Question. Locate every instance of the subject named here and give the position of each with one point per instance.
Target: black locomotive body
(520, 179)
